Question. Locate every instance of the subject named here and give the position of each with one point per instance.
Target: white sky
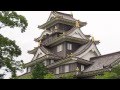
(103, 25)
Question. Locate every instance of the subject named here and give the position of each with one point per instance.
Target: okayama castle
(64, 48)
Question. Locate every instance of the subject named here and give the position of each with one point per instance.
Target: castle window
(61, 69)
(69, 46)
(82, 67)
(59, 48)
(29, 69)
(66, 68)
(45, 63)
(57, 70)
(52, 61)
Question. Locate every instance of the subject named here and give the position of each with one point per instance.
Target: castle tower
(63, 48)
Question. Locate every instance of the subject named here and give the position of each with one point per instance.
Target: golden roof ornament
(39, 42)
(71, 54)
(77, 23)
(77, 69)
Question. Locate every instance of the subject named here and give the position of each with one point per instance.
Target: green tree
(116, 70)
(107, 75)
(8, 49)
(12, 19)
(113, 74)
(39, 71)
(49, 76)
(68, 76)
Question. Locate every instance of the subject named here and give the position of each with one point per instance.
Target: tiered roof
(104, 61)
(84, 41)
(56, 17)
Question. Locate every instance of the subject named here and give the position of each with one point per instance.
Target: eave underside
(65, 38)
(60, 20)
(55, 21)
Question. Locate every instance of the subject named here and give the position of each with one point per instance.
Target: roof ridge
(44, 49)
(61, 13)
(68, 32)
(84, 49)
(105, 55)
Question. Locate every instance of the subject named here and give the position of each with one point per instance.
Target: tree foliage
(8, 48)
(12, 19)
(8, 51)
(39, 71)
(67, 76)
(113, 74)
(116, 70)
(49, 76)
(107, 75)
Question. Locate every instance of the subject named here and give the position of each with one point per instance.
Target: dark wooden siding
(62, 27)
(49, 38)
(75, 46)
(65, 51)
(61, 53)
(72, 67)
(62, 69)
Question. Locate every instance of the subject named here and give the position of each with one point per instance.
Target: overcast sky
(103, 25)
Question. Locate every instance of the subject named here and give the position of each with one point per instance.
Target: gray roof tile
(102, 61)
(83, 48)
(65, 16)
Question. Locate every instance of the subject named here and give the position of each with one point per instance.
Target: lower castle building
(63, 48)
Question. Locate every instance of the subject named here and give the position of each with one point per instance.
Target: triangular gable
(51, 15)
(89, 53)
(38, 54)
(78, 34)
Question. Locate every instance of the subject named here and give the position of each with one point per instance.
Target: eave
(84, 62)
(60, 20)
(88, 36)
(56, 20)
(92, 73)
(83, 48)
(64, 38)
(63, 61)
(42, 59)
(33, 51)
(59, 62)
(97, 42)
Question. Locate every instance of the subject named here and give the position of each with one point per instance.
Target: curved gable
(92, 51)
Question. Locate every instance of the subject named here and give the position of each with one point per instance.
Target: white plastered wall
(78, 34)
(91, 52)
